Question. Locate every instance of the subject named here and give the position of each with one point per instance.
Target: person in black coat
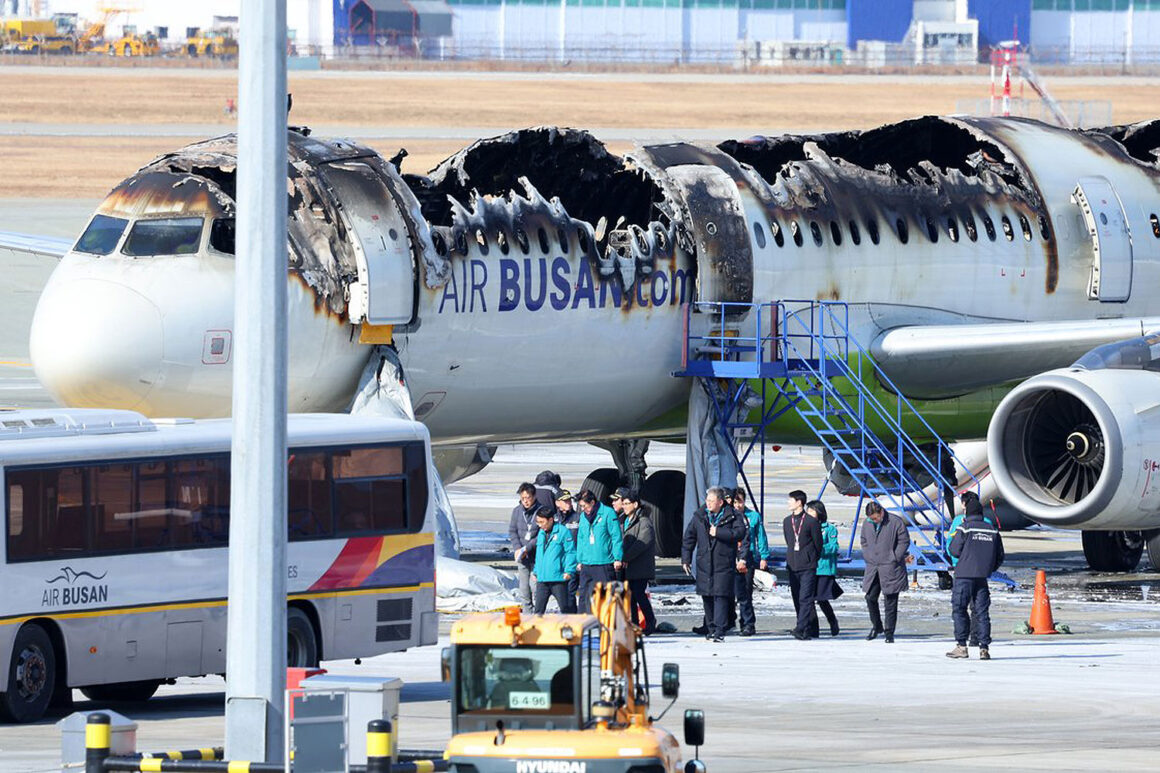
(803, 547)
(640, 556)
(714, 532)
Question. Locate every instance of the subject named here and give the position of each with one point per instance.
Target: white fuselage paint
(535, 346)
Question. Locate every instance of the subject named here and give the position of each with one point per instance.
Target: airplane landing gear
(663, 491)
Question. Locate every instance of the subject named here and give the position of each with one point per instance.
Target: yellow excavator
(560, 694)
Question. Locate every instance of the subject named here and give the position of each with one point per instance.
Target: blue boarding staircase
(803, 358)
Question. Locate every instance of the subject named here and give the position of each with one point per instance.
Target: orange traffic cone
(1041, 620)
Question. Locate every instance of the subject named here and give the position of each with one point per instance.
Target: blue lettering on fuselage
(536, 284)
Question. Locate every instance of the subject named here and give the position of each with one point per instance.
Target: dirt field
(38, 165)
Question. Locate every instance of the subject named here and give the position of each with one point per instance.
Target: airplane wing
(48, 246)
(936, 361)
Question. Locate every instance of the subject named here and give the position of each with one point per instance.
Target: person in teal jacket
(971, 504)
(758, 558)
(555, 561)
(599, 546)
(828, 588)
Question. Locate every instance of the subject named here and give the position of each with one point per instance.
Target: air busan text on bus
(114, 563)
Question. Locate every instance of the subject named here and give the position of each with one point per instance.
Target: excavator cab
(559, 692)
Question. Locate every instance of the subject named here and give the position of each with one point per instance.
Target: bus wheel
(301, 644)
(31, 676)
(122, 692)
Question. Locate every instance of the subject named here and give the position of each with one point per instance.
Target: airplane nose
(96, 343)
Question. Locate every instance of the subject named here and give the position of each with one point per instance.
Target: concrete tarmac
(1080, 702)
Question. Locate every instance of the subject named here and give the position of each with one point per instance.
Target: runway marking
(16, 363)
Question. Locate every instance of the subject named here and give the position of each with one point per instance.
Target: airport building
(745, 32)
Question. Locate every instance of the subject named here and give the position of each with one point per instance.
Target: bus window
(370, 505)
(368, 462)
(112, 501)
(151, 514)
(201, 502)
(52, 520)
(308, 496)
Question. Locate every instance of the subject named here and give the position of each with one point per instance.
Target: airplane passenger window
(989, 227)
(797, 233)
(103, 233)
(222, 235)
(778, 235)
(835, 232)
(952, 228)
(543, 236)
(969, 225)
(855, 236)
(1026, 227)
(1044, 229)
(759, 235)
(872, 229)
(931, 230)
(171, 236)
(1008, 231)
(816, 232)
(903, 234)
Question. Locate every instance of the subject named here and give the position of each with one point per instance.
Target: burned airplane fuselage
(533, 284)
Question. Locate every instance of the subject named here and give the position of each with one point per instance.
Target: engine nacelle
(1080, 448)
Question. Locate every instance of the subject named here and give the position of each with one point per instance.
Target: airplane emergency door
(385, 292)
(1103, 214)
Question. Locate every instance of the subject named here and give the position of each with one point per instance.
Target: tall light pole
(256, 644)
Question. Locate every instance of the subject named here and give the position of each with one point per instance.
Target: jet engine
(1079, 448)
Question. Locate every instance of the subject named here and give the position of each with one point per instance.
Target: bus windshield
(527, 680)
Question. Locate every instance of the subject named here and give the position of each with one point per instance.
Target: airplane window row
(955, 228)
(501, 241)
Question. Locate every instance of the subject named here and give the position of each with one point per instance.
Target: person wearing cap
(522, 537)
(617, 502)
(568, 519)
(978, 546)
(971, 506)
(555, 561)
(599, 546)
(640, 563)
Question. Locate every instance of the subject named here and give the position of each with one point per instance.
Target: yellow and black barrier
(205, 755)
(98, 759)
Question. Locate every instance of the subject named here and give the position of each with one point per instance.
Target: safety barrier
(98, 758)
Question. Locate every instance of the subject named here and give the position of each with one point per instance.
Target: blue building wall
(999, 20)
(877, 20)
(342, 20)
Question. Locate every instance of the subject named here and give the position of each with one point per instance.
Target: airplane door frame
(1110, 280)
(386, 291)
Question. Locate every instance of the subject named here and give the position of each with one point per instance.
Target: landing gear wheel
(1153, 543)
(664, 493)
(31, 676)
(602, 482)
(122, 692)
(301, 643)
(1113, 551)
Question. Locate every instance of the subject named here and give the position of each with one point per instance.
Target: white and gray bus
(114, 570)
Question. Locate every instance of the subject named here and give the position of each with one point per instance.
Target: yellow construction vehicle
(214, 43)
(132, 44)
(560, 694)
(35, 36)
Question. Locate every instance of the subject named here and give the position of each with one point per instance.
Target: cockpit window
(102, 235)
(221, 235)
(172, 236)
